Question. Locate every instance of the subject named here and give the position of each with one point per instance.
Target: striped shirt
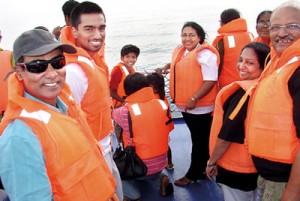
(154, 165)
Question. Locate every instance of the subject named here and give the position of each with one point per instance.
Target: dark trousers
(199, 126)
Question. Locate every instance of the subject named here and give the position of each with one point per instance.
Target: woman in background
(262, 27)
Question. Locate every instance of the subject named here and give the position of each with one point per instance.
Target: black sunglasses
(39, 66)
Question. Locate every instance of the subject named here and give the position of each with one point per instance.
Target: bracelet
(211, 165)
(193, 99)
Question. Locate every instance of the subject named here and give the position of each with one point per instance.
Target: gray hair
(289, 4)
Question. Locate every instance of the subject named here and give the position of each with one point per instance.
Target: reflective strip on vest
(136, 109)
(40, 115)
(231, 41)
(163, 104)
(125, 70)
(292, 60)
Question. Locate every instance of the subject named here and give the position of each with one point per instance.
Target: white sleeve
(77, 80)
(209, 66)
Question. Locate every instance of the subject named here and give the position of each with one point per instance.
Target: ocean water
(154, 26)
(156, 32)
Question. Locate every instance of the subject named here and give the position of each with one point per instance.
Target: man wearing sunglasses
(273, 121)
(48, 151)
(87, 78)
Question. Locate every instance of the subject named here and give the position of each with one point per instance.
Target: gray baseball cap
(38, 42)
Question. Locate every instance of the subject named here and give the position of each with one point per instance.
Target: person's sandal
(166, 188)
(184, 181)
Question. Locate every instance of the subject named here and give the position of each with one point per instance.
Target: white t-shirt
(77, 80)
(78, 83)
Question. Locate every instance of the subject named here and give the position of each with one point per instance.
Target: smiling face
(189, 38)
(44, 86)
(283, 38)
(90, 33)
(248, 65)
(129, 60)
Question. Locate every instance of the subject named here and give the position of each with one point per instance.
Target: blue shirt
(22, 165)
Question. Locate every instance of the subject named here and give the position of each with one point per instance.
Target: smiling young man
(87, 78)
(48, 151)
(273, 121)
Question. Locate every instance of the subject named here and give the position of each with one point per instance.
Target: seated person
(145, 118)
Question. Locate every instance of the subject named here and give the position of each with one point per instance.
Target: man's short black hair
(85, 7)
(228, 15)
(130, 49)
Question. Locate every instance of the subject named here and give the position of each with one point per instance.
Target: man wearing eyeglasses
(48, 151)
(88, 79)
(273, 122)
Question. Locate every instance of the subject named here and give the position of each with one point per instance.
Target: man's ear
(19, 73)
(74, 32)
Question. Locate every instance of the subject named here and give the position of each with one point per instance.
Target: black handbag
(129, 164)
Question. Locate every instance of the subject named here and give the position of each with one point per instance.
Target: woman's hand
(191, 104)
(164, 70)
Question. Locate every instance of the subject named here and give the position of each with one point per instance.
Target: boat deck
(205, 190)
(180, 143)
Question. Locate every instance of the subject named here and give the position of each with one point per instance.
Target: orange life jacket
(74, 163)
(121, 91)
(171, 123)
(236, 158)
(235, 37)
(148, 123)
(5, 66)
(259, 39)
(97, 102)
(270, 129)
(186, 76)
(98, 57)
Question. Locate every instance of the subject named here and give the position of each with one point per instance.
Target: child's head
(129, 55)
(134, 82)
(157, 82)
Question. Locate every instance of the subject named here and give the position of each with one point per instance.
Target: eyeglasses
(39, 66)
(261, 24)
(288, 27)
(188, 35)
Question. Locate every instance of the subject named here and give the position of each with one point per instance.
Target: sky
(17, 16)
